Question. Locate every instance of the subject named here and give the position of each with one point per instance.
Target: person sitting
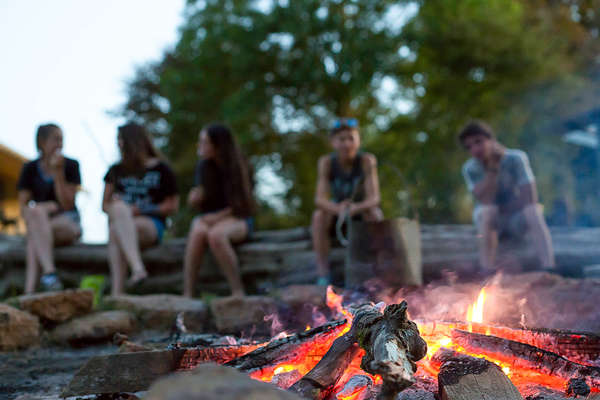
(503, 185)
(140, 192)
(347, 186)
(223, 194)
(46, 192)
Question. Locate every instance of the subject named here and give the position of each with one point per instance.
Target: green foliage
(279, 73)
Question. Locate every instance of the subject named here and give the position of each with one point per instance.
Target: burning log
(288, 348)
(359, 387)
(463, 377)
(526, 356)
(392, 344)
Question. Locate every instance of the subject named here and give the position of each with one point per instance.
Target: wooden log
(463, 377)
(287, 349)
(359, 387)
(392, 346)
(525, 356)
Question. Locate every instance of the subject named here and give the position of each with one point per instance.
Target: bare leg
(220, 237)
(39, 232)
(64, 230)
(32, 270)
(123, 224)
(194, 252)
(321, 222)
(541, 235)
(117, 264)
(488, 234)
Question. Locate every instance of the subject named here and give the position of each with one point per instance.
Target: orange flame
(475, 311)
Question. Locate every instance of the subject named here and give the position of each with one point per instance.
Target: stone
(18, 329)
(58, 306)
(159, 311)
(301, 295)
(246, 314)
(215, 382)
(94, 328)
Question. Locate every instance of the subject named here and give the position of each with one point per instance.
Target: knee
(35, 213)
(488, 214)
(319, 219)
(198, 231)
(118, 208)
(216, 238)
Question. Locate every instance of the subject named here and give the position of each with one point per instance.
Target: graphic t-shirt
(147, 188)
(514, 171)
(41, 185)
(212, 179)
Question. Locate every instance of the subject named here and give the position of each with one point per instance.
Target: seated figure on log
(223, 194)
(139, 193)
(347, 187)
(46, 189)
(504, 189)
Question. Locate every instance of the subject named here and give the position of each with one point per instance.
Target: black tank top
(346, 186)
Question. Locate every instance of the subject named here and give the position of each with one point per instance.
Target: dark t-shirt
(145, 189)
(346, 185)
(212, 179)
(41, 185)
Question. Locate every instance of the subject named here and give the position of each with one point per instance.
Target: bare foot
(136, 278)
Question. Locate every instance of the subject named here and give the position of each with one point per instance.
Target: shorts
(160, 227)
(508, 225)
(73, 215)
(250, 224)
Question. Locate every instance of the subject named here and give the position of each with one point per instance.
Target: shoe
(136, 280)
(51, 282)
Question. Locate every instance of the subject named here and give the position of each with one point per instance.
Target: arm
(372, 193)
(485, 191)
(322, 195)
(527, 196)
(107, 197)
(65, 191)
(195, 197)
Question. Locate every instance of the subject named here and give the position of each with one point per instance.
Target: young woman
(223, 195)
(47, 188)
(139, 193)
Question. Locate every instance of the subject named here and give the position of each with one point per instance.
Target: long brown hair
(136, 147)
(235, 168)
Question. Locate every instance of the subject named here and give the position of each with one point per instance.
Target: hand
(210, 219)
(135, 210)
(353, 209)
(57, 161)
(343, 207)
(194, 196)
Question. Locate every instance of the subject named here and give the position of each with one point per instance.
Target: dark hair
(235, 169)
(343, 124)
(136, 147)
(43, 132)
(475, 128)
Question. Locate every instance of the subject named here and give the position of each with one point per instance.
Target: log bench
(271, 259)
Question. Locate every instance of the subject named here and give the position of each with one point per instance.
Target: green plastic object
(95, 283)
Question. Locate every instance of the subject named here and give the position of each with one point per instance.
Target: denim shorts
(160, 227)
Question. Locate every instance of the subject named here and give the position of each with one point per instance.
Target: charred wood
(526, 356)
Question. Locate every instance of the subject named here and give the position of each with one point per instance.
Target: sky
(68, 61)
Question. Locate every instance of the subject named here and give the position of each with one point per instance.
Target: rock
(159, 311)
(215, 382)
(58, 306)
(18, 329)
(94, 328)
(246, 314)
(301, 295)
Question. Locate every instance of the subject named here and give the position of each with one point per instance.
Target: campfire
(330, 361)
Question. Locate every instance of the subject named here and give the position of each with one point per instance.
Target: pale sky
(67, 61)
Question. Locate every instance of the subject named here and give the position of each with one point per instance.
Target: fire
(475, 311)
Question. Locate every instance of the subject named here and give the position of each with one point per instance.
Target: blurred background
(279, 72)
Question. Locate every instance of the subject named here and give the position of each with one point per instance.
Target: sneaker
(51, 283)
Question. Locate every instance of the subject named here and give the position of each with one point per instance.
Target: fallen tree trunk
(525, 356)
(463, 377)
(392, 345)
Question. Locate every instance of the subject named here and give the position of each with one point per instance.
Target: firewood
(392, 344)
(526, 356)
(359, 387)
(463, 377)
(287, 348)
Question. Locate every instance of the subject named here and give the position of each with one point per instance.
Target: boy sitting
(347, 186)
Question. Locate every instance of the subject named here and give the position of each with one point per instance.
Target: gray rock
(18, 329)
(247, 314)
(160, 310)
(58, 306)
(94, 328)
(215, 382)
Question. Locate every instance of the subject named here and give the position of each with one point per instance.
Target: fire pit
(376, 351)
